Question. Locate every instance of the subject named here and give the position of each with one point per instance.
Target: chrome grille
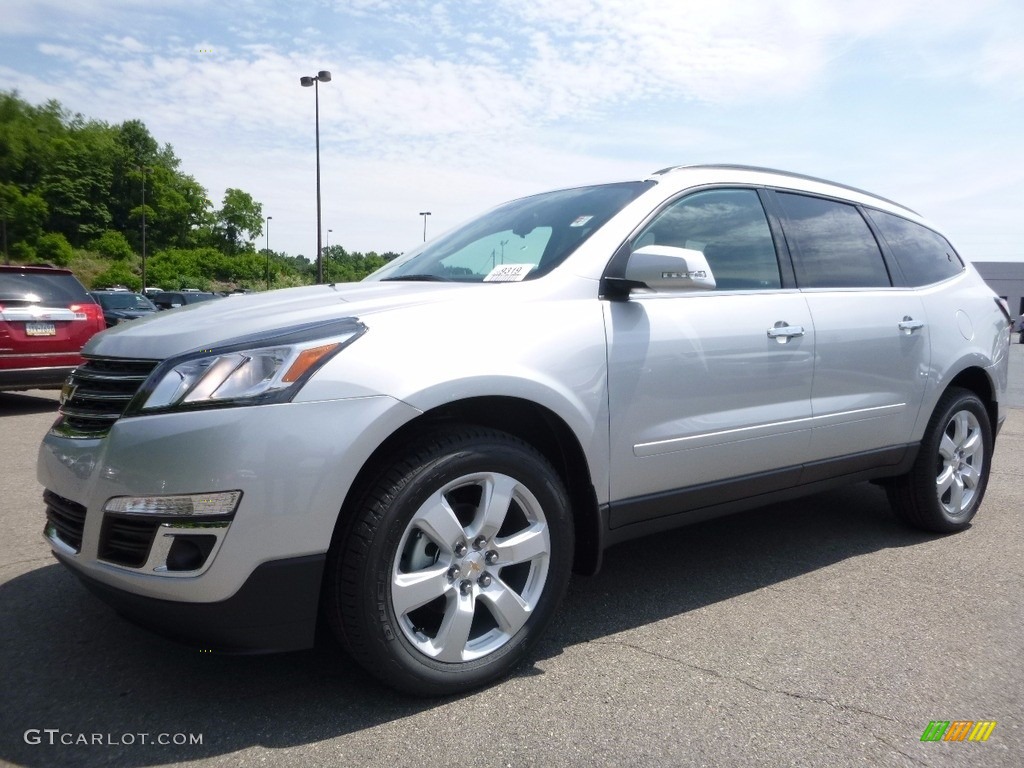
(97, 393)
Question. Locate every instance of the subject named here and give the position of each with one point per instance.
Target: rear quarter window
(924, 256)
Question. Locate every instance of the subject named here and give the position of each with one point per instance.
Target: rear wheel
(455, 563)
(943, 490)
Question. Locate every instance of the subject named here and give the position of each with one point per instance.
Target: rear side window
(730, 227)
(53, 290)
(924, 256)
(832, 244)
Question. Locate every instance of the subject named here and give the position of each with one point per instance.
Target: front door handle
(783, 332)
(908, 324)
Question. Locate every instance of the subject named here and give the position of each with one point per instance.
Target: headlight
(248, 371)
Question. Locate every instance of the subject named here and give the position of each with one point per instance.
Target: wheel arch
(976, 380)
(526, 420)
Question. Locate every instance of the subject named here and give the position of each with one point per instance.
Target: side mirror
(667, 268)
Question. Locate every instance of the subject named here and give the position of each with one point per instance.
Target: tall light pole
(327, 250)
(268, 251)
(143, 169)
(323, 76)
(424, 214)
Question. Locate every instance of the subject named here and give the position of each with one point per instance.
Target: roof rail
(790, 174)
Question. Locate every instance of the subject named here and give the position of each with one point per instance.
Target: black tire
(945, 487)
(436, 590)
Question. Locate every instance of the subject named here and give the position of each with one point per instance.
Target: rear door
(872, 352)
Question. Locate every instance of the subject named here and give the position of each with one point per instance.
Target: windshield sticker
(581, 221)
(508, 273)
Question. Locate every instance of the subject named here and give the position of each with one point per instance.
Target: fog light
(189, 553)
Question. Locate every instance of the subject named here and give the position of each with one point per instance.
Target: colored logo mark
(958, 730)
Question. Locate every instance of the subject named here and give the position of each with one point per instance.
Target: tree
(24, 215)
(238, 222)
(77, 184)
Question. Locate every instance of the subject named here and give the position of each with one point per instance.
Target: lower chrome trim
(721, 437)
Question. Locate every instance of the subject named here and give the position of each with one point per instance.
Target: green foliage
(112, 245)
(176, 268)
(117, 274)
(22, 252)
(54, 248)
(238, 222)
(67, 180)
(340, 266)
(24, 214)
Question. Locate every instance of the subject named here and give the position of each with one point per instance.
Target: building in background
(1007, 279)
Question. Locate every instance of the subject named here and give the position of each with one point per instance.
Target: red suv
(46, 316)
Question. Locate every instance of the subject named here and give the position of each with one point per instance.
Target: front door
(706, 386)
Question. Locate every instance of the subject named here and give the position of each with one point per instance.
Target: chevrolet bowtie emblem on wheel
(67, 392)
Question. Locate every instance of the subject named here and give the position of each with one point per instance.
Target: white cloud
(458, 105)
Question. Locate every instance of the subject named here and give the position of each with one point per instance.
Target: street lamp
(268, 251)
(143, 169)
(323, 76)
(424, 214)
(327, 250)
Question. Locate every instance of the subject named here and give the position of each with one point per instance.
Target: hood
(211, 323)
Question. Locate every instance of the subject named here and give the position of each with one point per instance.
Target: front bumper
(293, 463)
(275, 609)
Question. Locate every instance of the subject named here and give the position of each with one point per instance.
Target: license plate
(40, 329)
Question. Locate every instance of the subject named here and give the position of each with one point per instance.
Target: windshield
(520, 240)
(124, 300)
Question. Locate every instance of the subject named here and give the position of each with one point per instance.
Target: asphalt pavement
(813, 633)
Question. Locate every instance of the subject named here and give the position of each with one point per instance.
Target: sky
(455, 106)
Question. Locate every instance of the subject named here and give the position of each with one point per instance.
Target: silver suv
(422, 459)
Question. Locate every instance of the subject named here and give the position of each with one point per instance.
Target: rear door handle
(783, 331)
(908, 325)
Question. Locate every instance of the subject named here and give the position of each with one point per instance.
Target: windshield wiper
(421, 278)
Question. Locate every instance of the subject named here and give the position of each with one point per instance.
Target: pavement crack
(839, 706)
(899, 751)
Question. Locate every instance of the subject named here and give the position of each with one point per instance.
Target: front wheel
(943, 490)
(456, 561)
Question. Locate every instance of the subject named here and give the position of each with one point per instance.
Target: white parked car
(422, 459)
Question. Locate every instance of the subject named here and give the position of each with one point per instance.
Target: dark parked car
(121, 306)
(46, 316)
(172, 299)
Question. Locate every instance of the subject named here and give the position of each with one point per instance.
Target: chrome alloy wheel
(471, 567)
(960, 463)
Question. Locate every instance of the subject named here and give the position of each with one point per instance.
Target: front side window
(520, 240)
(924, 256)
(730, 228)
(833, 247)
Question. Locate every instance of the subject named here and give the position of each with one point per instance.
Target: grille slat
(97, 393)
(67, 519)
